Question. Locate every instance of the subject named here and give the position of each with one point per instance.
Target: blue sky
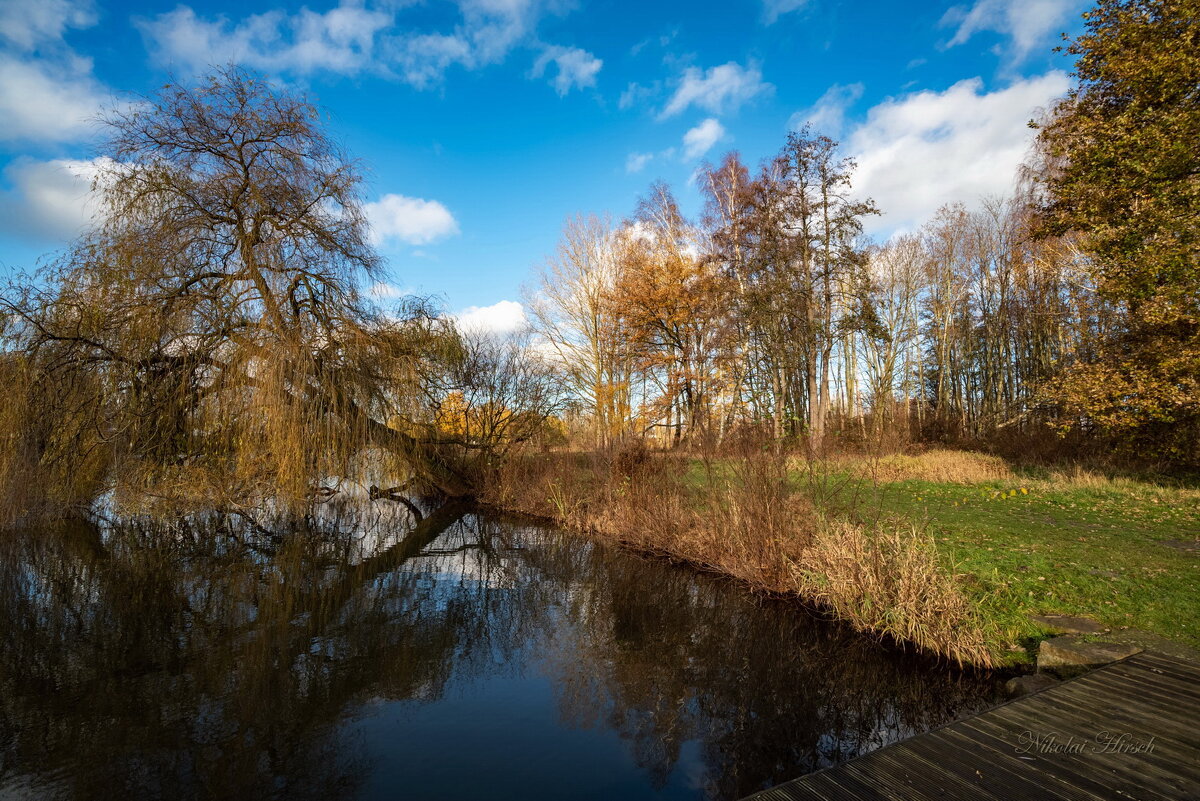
(483, 124)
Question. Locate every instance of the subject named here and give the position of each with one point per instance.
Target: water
(478, 655)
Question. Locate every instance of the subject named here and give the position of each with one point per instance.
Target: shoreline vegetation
(948, 551)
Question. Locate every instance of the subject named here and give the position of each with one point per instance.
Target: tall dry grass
(936, 465)
(747, 518)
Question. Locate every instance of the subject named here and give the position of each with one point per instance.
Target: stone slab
(1069, 656)
(1023, 685)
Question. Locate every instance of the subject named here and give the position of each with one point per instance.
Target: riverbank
(949, 552)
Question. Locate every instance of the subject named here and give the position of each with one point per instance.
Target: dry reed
(937, 465)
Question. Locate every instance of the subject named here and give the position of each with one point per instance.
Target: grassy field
(1036, 542)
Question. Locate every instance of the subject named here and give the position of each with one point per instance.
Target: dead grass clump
(629, 459)
(1079, 477)
(887, 579)
(939, 465)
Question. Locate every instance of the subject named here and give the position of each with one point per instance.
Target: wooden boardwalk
(1043, 746)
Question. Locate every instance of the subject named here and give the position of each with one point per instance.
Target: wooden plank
(947, 774)
(1152, 715)
(1130, 769)
(1148, 695)
(1189, 671)
(791, 791)
(1166, 750)
(1002, 756)
(984, 769)
(859, 781)
(828, 787)
(1111, 777)
(1082, 777)
(1164, 662)
(1003, 770)
(1175, 689)
(1143, 672)
(1139, 704)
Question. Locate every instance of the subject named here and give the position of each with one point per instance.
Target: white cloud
(423, 60)
(1028, 22)
(47, 92)
(493, 27)
(499, 319)
(30, 24)
(409, 219)
(699, 140)
(488, 31)
(716, 89)
(47, 100)
(635, 93)
(382, 290)
(636, 162)
(576, 68)
(828, 115)
(773, 9)
(353, 38)
(340, 40)
(50, 200)
(920, 151)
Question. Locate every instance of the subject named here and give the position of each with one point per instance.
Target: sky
(482, 125)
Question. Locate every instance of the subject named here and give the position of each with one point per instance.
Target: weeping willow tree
(206, 342)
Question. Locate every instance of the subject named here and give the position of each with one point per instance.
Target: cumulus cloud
(413, 220)
(487, 32)
(339, 40)
(576, 68)
(699, 140)
(499, 319)
(828, 114)
(773, 9)
(922, 150)
(716, 89)
(47, 92)
(48, 100)
(353, 38)
(27, 25)
(1029, 23)
(50, 201)
(636, 162)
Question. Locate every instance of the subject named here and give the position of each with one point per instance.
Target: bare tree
(576, 317)
(896, 273)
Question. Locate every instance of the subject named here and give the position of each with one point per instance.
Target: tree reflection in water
(196, 660)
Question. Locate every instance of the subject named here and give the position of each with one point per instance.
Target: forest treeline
(1061, 319)
(773, 311)
(209, 342)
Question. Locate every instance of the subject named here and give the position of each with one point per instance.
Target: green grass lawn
(1037, 547)
(1032, 543)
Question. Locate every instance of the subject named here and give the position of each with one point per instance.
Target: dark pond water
(475, 656)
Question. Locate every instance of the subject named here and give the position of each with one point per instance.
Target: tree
(896, 281)
(206, 341)
(576, 316)
(1123, 172)
(823, 222)
(673, 302)
(728, 222)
